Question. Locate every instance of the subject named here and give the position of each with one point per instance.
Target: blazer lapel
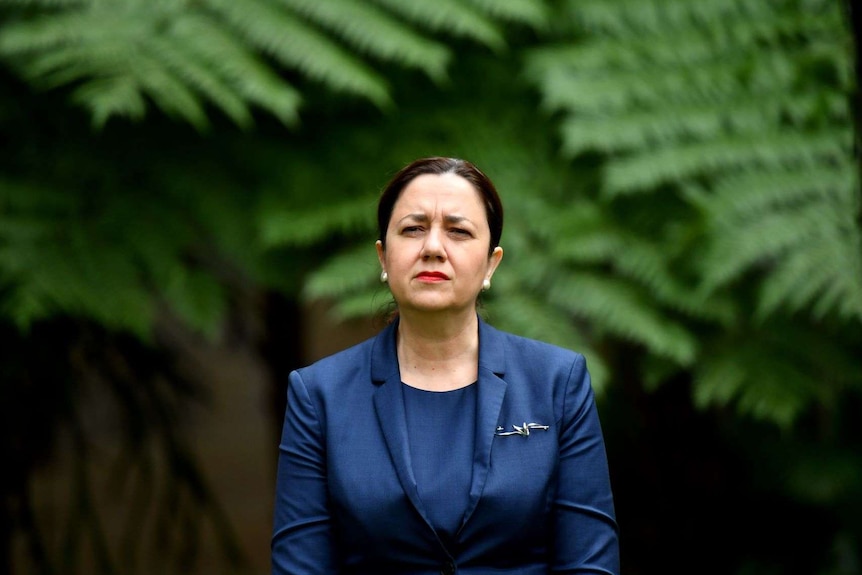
(392, 418)
(389, 408)
(491, 391)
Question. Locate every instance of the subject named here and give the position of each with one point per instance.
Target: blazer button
(448, 568)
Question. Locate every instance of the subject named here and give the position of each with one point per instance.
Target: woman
(443, 445)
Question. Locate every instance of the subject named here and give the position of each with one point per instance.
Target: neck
(438, 354)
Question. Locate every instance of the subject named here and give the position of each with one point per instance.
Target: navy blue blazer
(346, 498)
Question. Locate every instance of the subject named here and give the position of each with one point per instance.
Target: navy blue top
(440, 430)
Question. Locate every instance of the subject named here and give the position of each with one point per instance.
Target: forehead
(447, 193)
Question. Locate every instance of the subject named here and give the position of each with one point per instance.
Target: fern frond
(718, 79)
(588, 246)
(763, 387)
(50, 31)
(648, 265)
(450, 16)
(116, 47)
(688, 46)
(763, 241)
(776, 372)
(295, 45)
(54, 68)
(217, 49)
(623, 17)
(528, 12)
(168, 91)
(588, 235)
(101, 256)
(285, 226)
(796, 226)
(623, 311)
(824, 273)
(645, 171)
(48, 3)
(111, 49)
(373, 31)
(349, 281)
(115, 63)
(678, 94)
(580, 235)
(198, 73)
(355, 270)
(737, 198)
(646, 128)
(122, 97)
(63, 283)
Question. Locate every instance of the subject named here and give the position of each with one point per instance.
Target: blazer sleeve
(586, 532)
(302, 532)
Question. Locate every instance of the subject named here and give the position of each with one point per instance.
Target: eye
(411, 230)
(460, 232)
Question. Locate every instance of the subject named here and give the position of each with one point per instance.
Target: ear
(380, 254)
(494, 261)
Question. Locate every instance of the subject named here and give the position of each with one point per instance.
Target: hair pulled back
(440, 165)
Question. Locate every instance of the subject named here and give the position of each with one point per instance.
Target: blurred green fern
(738, 114)
(710, 183)
(697, 218)
(236, 54)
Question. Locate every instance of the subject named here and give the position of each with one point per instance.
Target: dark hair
(440, 165)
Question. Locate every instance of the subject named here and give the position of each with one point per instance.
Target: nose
(433, 246)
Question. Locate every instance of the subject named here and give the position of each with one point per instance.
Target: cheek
(398, 257)
(480, 264)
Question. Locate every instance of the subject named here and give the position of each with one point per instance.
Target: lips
(432, 276)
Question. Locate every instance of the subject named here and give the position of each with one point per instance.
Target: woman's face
(437, 244)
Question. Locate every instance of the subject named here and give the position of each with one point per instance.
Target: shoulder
(541, 373)
(515, 351)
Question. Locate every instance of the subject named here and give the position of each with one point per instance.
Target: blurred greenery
(681, 181)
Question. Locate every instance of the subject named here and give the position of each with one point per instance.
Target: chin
(428, 307)
(425, 305)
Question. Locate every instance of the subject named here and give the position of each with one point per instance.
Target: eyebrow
(424, 218)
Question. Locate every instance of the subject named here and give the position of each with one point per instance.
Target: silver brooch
(520, 429)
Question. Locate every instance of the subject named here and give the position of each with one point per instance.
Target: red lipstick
(432, 276)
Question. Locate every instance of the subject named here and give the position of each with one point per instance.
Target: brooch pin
(520, 429)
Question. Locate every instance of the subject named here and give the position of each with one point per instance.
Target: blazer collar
(389, 406)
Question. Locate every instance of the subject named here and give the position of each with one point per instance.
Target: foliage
(105, 256)
(122, 227)
(726, 167)
(681, 188)
(709, 214)
(726, 128)
(118, 56)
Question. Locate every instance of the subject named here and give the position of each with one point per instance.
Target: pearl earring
(486, 284)
(384, 277)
